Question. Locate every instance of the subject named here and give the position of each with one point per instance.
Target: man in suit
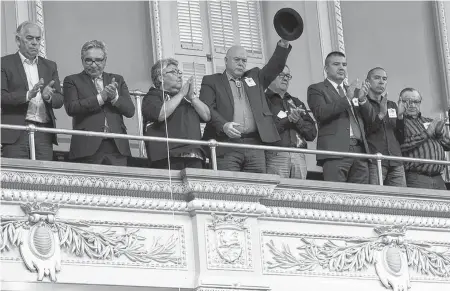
(97, 101)
(239, 109)
(340, 125)
(30, 91)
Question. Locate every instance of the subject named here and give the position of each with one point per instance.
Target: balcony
(68, 226)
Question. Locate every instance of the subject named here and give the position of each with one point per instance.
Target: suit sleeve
(11, 98)
(75, 105)
(208, 96)
(322, 111)
(306, 126)
(124, 104)
(274, 66)
(57, 98)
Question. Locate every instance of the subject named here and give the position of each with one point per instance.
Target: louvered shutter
(221, 25)
(249, 16)
(190, 25)
(194, 69)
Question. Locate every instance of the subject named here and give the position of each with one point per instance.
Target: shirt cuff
(282, 44)
(100, 99)
(115, 98)
(28, 96)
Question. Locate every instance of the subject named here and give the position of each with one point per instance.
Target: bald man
(30, 92)
(239, 109)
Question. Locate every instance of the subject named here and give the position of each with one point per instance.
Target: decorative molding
(294, 197)
(40, 235)
(389, 252)
(355, 217)
(39, 12)
(228, 243)
(156, 30)
(443, 43)
(338, 25)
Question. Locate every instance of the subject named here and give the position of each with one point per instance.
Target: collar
(335, 85)
(271, 94)
(25, 60)
(229, 77)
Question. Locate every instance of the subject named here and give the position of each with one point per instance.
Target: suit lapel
(88, 80)
(226, 84)
(331, 89)
(21, 70)
(42, 71)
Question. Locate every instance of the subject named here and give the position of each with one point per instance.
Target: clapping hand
(48, 91)
(190, 94)
(111, 90)
(383, 107)
(363, 90)
(295, 115)
(36, 88)
(401, 108)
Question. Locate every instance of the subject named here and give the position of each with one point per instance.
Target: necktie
(238, 86)
(353, 123)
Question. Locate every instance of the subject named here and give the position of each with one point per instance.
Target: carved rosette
(392, 256)
(228, 243)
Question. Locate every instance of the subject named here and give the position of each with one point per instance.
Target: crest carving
(391, 254)
(40, 236)
(228, 242)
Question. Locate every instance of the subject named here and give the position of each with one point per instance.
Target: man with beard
(424, 138)
(384, 127)
(295, 126)
(171, 109)
(97, 101)
(30, 92)
(341, 127)
(239, 110)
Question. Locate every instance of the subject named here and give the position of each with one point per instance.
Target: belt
(355, 142)
(250, 135)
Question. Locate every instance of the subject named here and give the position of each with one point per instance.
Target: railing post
(379, 169)
(31, 129)
(138, 95)
(212, 146)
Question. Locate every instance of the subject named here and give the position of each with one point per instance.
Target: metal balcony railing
(212, 144)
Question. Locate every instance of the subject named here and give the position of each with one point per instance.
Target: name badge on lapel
(392, 113)
(281, 114)
(250, 82)
(355, 102)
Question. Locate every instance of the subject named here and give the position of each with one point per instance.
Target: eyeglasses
(413, 102)
(287, 76)
(175, 72)
(90, 61)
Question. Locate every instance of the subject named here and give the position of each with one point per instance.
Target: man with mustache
(384, 128)
(295, 126)
(424, 138)
(340, 125)
(97, 101)
(30, 92)
(239, 109)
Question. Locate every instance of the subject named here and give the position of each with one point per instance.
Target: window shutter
(221, 25)
(249, 16)
(194, 69)
(190, 25)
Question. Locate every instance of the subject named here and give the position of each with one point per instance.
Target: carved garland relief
(43, 238)
(390, 253)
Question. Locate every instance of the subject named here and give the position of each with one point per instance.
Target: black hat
(288, 24)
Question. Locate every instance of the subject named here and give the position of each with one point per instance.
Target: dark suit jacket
(332, 114)
(383, 135)
(80, 101)
(216, 93)
(14, 91)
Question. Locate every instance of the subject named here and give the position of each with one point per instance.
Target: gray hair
(24, 25)
(93, 44)
(158, 67)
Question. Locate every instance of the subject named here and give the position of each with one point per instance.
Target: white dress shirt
(37, 112)
(335, 85)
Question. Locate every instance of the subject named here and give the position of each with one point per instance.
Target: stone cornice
(194, 190)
